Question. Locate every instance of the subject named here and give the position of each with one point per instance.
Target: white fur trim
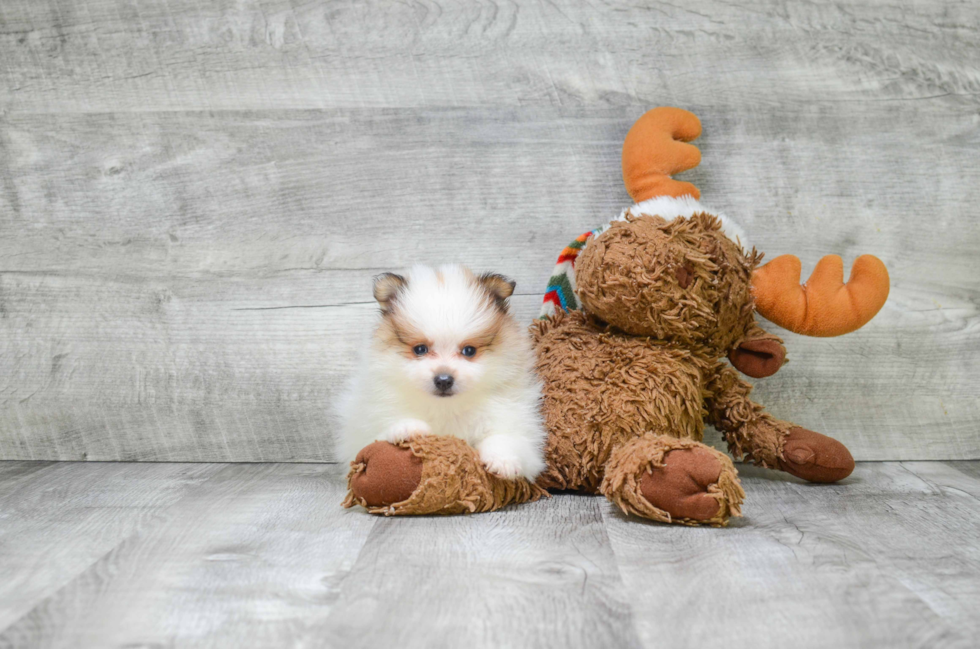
(669, 208)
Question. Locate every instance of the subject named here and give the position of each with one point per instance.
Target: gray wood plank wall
(195, 195)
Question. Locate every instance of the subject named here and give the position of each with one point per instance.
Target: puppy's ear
(498, 286)
(386, 288)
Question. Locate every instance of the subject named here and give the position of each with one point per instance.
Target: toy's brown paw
(680, 488)
(815, 457)
(758, 358)
(387, 474)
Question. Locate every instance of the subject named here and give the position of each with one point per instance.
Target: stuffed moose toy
(638, 318)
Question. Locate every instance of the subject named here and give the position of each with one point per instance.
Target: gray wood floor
(262, 555)
(194, 195)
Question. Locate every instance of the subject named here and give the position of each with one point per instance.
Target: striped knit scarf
(560, 293)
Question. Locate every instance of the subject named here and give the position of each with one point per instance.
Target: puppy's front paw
(508, 468)
(509, 458)
(405, 429)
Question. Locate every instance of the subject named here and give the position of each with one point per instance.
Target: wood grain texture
(194, 196)
(110, 55)
(251, 558)
(539, 575)
(887, 558)
(262, 555)
(13, 474)
(61, 519)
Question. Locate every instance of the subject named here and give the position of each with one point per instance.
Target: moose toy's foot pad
(815, 457)
(384, 474)
(430, 474)
(673, 481)
(680, 486)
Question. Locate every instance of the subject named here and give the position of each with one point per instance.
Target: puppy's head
(446, 331)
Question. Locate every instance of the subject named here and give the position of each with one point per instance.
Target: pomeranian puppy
(448, 359)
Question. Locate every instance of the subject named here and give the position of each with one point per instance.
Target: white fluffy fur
(495, 406)
(669, 208)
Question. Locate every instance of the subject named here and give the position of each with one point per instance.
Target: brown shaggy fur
(603, 388)
(636, 375)
(633, 276)
(453, 482)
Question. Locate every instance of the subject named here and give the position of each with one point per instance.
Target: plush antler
(824, 305)
(655, 149)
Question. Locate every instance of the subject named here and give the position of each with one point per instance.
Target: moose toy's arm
(823, 306)
(759, 437)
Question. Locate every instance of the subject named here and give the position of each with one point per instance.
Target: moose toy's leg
(673, 481)
(429, 475)
(770, 442)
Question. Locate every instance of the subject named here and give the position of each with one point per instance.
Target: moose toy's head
(680, 280)
(670, 269)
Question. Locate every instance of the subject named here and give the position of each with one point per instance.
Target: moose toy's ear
(386, 287)
(759, 354)
(499, 286)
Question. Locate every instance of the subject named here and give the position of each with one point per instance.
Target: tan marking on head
(496, 334)
(397, 333)
(498, 287)
(387, 286)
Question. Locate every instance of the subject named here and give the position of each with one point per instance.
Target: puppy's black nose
(444, 382)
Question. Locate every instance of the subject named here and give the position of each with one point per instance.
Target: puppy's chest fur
(466, 418)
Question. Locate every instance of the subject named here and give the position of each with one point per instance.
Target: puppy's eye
(469, 351)
(420, 350)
